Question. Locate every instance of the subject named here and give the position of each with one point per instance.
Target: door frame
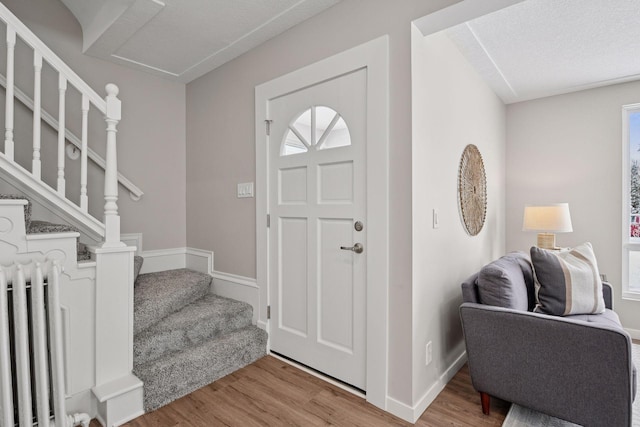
(374, 57)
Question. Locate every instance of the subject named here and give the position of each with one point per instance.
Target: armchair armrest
(607, 293)
(563, 367)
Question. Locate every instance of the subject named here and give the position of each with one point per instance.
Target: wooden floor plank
(271, 392)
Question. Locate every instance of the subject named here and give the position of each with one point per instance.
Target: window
(631, 201)
(317, 128)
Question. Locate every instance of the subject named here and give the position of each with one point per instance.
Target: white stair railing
(40, 114)
(109, 107)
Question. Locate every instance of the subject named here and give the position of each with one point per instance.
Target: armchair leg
(486, 402)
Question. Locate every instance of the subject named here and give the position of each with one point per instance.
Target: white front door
(318, 226)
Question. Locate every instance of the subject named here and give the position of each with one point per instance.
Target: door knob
(357, 248)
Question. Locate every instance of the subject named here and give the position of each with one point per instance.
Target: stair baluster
(37, 107)
(33, 179)
(62, 88)
(84, 199)
(8, 133)
(111, 217)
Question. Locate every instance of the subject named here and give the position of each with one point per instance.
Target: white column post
(84, 199)
(8, 121)
(118, 391)
(37, 73)
(111, 217)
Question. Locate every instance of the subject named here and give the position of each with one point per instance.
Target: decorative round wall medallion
(472, 190)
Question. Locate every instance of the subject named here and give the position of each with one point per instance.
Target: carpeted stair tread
(178, 374)
(156, 295)
(207, 318)
(39, 227)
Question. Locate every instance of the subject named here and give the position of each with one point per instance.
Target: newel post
(118, 391)
(111, 218)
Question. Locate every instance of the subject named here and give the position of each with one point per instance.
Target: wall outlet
(245, 189)
(429, 353)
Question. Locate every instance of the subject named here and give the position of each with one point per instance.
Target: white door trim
(374, 56)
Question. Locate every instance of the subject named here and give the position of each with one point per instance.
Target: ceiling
(183, 39)
(531, 49)
(540, 48)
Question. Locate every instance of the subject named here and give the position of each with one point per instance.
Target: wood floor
(270, 392)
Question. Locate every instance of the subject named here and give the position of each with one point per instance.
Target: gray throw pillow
(567, 281)
(502, 283)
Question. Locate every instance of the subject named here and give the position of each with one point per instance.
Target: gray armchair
(577, 368)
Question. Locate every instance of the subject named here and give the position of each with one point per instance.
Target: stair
(95, 288)
(186, 337)
(33, 226)
(159, 294)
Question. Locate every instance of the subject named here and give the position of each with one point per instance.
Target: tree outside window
(634, 182)
(631, 184)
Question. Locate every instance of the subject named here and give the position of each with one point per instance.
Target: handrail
(110, 106)
(134, 191)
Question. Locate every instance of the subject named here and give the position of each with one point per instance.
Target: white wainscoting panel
(239, 288)
(199, 260)
(163, 259)
(170, 259)
(133, 239)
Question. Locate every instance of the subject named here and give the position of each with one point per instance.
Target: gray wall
(221, 153)
(151, 135)
(567, 148)
(452, 107)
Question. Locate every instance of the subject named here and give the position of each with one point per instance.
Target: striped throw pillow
(567, 281)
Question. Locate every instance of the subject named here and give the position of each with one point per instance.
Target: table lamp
(547, 220)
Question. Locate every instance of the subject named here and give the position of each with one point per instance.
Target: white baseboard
(413, 413)
(233, 278)
(133, 239)
(163, 259)
(634, 333)
(399, 409)
(239, 288)
(170, 259)
(120, 400)
(199, 260)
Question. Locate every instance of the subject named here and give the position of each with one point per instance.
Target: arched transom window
(317, 128)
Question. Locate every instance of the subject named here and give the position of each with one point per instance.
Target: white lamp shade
(554, 218)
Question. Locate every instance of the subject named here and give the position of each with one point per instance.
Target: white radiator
(32, 388)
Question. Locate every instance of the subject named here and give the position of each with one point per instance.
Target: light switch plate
(245, 189)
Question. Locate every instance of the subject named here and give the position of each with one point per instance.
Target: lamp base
(547, 240)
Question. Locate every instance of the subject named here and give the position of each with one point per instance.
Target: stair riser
(153, 344)
(182, 373)
(158, 295)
